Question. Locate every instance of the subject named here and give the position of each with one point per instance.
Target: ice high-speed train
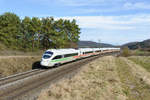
(55, 57)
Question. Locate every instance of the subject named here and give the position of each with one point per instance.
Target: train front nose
(46, 59)
(44, 62)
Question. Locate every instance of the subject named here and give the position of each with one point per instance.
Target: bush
(2, 47)
(125, 52)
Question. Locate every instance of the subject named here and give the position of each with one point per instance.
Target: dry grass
(135, 79)
(143, 61)
(6, 52)
(140, 53)
(12, 65)
(108, 78)
(98, 80)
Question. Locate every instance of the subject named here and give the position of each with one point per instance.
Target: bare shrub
(125, 52)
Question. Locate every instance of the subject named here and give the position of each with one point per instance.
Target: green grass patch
(140, 53)
(142, 61)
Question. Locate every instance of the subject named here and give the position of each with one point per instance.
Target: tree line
(37, 33)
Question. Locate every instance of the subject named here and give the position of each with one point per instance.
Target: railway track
(19, 76)
(21, 86)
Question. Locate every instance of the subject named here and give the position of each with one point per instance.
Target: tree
(48, 33)
(34, 33)
(31, 29)
(35, 30)
(72, 30)
(75, 31)
(26, 35)
(9, 29)
(60, 34)
(99, 41)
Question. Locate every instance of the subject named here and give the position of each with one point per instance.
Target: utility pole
(99, 41)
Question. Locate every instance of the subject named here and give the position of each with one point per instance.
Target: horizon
(114, 22)
(114, 44)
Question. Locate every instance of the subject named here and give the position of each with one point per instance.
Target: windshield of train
(47, 54)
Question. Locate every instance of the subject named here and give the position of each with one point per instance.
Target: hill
(92, 44)
(144, 45)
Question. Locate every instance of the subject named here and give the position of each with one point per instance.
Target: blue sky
(112, 21)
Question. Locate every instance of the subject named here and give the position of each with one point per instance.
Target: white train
(55, 57)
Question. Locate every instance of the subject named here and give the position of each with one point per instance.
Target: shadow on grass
(36, 65)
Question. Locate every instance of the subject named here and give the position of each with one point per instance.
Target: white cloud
(94, 6)
(111, 29)
(94, 10)
(137, 5)
(109, 7)
(114, 29)
(129, 22)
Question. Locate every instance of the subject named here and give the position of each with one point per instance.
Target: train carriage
(55, 57)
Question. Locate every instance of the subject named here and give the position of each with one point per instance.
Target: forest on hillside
(37, 33)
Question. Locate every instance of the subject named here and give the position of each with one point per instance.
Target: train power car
(55, 57)
(58, 56)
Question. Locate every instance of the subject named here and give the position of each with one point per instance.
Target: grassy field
(132, 80)
(14, 64)
(19, 52)
(139, 53)
(13, 61)
(98, 80)
(108, 78)
(143, 61)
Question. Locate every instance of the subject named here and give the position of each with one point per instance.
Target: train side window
(57, 57)
(88, 52)
(69, 55)
(98, 51)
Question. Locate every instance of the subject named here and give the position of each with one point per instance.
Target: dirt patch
(98, 80)
(14, 64)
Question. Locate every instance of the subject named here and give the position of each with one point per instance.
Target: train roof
(63, 51)
(71, 50)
